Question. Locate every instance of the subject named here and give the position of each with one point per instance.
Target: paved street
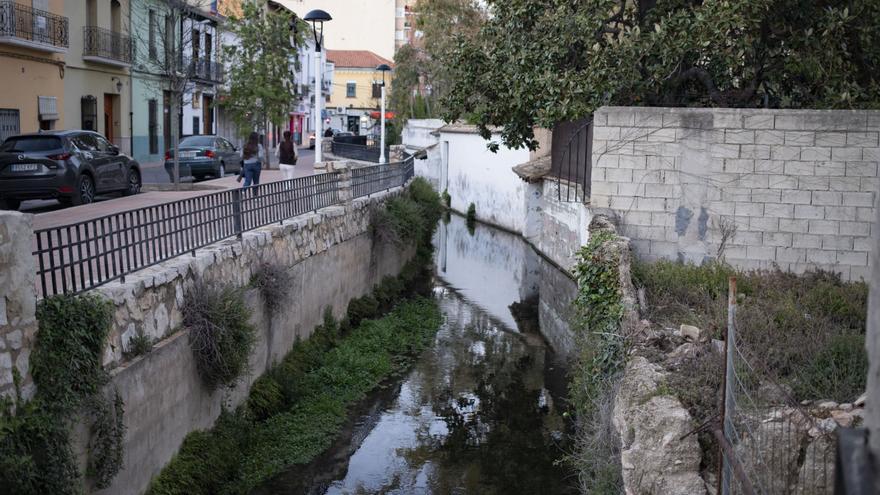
(153, 173)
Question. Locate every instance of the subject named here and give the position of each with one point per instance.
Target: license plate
(25, 167)
(187, 154)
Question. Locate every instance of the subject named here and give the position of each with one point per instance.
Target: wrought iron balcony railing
(104, 45)
(25, 26)
(206, 70)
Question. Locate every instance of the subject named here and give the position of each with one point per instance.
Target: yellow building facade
(34, 40)
(355, 99)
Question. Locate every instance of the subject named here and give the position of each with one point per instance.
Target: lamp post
(318, 18)
(383, 68)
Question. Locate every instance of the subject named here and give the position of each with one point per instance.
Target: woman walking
(287, 156)
(252, 158)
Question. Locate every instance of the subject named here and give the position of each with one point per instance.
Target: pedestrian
(328, 133)
(287, 156)
(252, 160)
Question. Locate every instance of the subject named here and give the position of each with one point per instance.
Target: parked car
(204, 155)
(71, 166)
(312, 137)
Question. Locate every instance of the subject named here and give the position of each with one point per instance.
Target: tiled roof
(361, 59)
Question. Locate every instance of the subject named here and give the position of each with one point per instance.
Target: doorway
(208, 114)
(108, 117)
(354, 124)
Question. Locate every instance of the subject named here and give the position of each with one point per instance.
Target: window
(350, 90)
(31, 143)
(195, 126)
(197, 142)
(196, 44)
(377, 90)
(153, 111)
(85, 142)
(152, 35)
(10, 123)
(168, 39)
(89, 113)
(103, 144)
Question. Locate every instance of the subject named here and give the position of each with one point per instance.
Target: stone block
(861, 169)
(606, 133)
(738, 166)
(621, 118)
(739, 136)
(720, 150)
(642, 176)
(824, 227)
(762, 253)
(783, 182)
(766, 195)
(793, 226)
(660, 191)
(806, 241)
(664, 249)
(759, 121)
(821, 256)
(778, 210)
(800, 138)
(639, 218)
(830, 169)
(736, 194)
(650, 204)
(846, 154)
(809, 212)
(871, 154)
(763, 224)
(747, 238)
(788, 121)
(797, 197)
(860, 273)
(627, 161)
(630, 189)
(604, 188)
(827, 198)
(618, 175)
(662, 136)
(815, 153)
(646, 148)
(853, 258)
(749, 209)
(837, 242)
(837, 120)
(840, 213)
(870, 184)
(778, 239)
(866, 215)
(757, 151)
(830, 139)
(858, 199)
(855, 228)
(813, 183)
(863, 139)
(785, 152)
(791, 255)
(770, 137)
(864, 244)
(799, 168)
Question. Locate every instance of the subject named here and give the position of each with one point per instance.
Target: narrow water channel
(481, 411)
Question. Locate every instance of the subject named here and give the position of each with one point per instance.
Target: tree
(260, 74)
(539, 62)
(166, 36)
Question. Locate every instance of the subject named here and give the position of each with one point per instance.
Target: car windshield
(30, 143)
(198, 141)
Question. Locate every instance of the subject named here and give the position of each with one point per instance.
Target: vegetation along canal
(482, 410)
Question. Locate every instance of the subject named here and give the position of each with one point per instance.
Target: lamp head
(383, 68)
(318, 17)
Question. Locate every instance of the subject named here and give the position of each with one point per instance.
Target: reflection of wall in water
(557, 292)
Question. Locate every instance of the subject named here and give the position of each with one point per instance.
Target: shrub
(471, 214)
(274, 283)
(139, 345)
(447, 199)
(221, 336)
(265, 398)
(410, 218)
(362, 308)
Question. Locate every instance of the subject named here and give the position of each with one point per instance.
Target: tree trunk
(175, 139)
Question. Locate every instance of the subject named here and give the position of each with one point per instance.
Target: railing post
(236, 211)
(729, 402)
(345, 193)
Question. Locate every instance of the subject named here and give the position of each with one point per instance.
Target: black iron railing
(104, 43)
(366, 153)
(81, 256)
(206, 70)
(373, 179)
(29, 24)
(572, 159)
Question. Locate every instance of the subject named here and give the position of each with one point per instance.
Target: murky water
(481, 412)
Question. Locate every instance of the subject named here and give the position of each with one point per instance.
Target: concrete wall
(473, 174)
(420, 134)
(872, 420)
(798, 186)
(18, 324)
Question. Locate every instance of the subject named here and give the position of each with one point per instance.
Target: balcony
(27, 27)
(206, 70)
(106, 47)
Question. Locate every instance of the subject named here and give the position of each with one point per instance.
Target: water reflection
(481, 412)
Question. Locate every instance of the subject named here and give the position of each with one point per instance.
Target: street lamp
(383, 68)
(318, 18)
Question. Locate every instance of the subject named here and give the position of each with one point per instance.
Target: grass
(295, 411)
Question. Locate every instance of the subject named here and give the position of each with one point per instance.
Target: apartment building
(354, 103)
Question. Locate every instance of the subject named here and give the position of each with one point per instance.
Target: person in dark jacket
(287, 156)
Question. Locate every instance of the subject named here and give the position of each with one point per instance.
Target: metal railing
(207, 70)
(370, 180)
(366, 153)
(104, 43)
(769, 443)
(571, 159)
(81, 256)
(26, 23)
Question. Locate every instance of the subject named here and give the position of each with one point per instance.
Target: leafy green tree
(539, 62)
(260, 77)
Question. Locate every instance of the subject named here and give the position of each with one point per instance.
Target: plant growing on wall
(221, 336)
(35, 452)
(274, 283)
(261, 66)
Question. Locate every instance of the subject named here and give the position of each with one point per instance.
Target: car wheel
(221, 171)
(84, 193)
(133, 183)
(9, 204)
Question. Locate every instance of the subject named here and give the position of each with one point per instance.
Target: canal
(483, 411)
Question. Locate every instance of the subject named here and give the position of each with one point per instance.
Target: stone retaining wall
(797, 187)
(18, 323)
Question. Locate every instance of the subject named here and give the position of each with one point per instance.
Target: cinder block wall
(793, 188)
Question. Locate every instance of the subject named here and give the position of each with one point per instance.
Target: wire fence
(770, 444)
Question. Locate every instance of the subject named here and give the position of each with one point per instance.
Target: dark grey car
(71, 166)
(204, 155)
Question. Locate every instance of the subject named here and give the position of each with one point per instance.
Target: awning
(375, 115)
